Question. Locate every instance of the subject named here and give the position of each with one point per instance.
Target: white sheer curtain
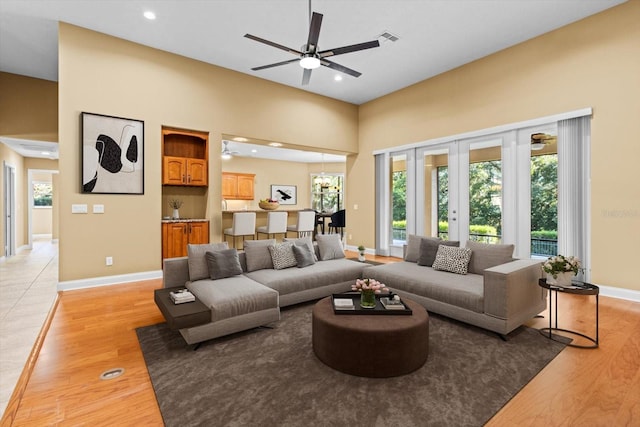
(573, 190)
(383, 189)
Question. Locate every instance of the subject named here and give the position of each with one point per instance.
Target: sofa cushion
(322, 273)
(282, 255)
(304, 256)
(330, 246)
(233, 296)
(197, 261)
(413, 246)
(304, 241)
(257, 254)
(486, 255)
(429, 249)
(455, 260)
(461, 291)
(223, 263)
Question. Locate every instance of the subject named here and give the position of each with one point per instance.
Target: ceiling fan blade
(276, 64)
(314, 32)
(348, 49)
(306, 76)
(340, 68)
(272, 44)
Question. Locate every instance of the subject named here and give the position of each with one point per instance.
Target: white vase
(176, 214)
(361, 257)
(561, 279)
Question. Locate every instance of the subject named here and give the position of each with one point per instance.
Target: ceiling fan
(226, 153)
(539, 140)
(309, 56)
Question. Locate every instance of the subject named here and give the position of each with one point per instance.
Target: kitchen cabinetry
(237, 186)
(176, 235)
(184, 157)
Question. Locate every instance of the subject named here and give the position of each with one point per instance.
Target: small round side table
(576, 288)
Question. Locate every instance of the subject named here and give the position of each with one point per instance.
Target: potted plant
(361, 253)
(175, 204)
(561, 269)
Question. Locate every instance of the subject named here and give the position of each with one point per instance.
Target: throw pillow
(282, 255)
(197, 261)
(257, 254)
(487, 255)
(304, 256)
(429, 248)
(449, 258)
(413, 246)
(306, 241)
(330, 246)
(225, 263)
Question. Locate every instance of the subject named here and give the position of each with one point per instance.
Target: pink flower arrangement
(362, 285)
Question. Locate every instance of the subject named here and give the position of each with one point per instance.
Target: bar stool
(276, 224)
(305, 224)
(244, 224)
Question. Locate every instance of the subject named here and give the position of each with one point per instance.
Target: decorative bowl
(269, 206)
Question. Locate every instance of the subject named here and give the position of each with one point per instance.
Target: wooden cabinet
(177, 235)
(237, 186)
(184, 157)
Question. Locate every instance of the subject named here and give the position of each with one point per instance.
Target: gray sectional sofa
(496, 293)
(253, 297)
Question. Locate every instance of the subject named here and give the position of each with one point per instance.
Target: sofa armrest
(512, 288)
(175, 272)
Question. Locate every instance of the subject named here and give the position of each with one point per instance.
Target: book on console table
(181, 296)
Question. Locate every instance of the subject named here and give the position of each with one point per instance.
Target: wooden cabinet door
(196, 172)
(245, 187)
(173, 170)
(229, 186)
(198, 232)
(175, 244)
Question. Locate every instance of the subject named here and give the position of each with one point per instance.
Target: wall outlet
(108, 260)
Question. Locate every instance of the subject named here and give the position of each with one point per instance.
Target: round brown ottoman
(371, 345)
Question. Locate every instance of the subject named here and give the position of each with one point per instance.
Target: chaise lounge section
(495, 292)
(250, 293)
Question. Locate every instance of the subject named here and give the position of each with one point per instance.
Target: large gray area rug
(271, 377)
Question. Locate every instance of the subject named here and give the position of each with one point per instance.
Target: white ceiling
(434, 35)
(246, 149)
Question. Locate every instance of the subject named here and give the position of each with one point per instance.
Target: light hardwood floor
(93, 330)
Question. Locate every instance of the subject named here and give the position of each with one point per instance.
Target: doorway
(9, 214)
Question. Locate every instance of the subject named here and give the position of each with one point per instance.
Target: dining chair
(276, 224)
(305, 224)
(337, 223)
(244, 224)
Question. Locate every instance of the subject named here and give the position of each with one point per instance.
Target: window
(327, 192)
(42, 194)
(544, 204)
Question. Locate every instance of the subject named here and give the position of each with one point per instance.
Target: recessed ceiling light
(240, 139)
(254, 151)
(150, 15)
(337, 78)
(45, 153)
(275, 144)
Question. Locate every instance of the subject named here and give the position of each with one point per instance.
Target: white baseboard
(355, 249)
(108, 280)
(621, 293)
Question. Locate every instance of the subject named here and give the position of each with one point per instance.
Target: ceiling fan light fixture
(226, 156)
(309, 62)
(536, 146)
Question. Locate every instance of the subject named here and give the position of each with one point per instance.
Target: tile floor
(28, 283)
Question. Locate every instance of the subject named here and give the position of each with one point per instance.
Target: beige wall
(592, 63)
(28, 108)
(128, 80)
